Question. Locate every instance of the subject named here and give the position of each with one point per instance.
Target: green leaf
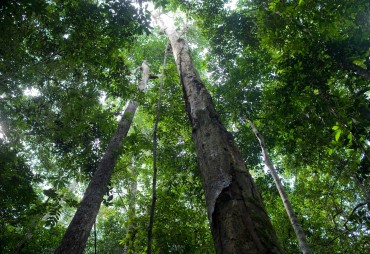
(350, 137)
(337, 134)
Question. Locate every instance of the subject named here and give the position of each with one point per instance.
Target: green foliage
(16, 196)
(16, 185)
(67, 71)
(57, 60)
(180, 218)
(281, 65)
(71, 53)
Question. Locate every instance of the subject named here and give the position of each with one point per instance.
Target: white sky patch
(231, 5)
(73, 186)
(367, 94)
(102, 97)
(193, 45)
(204, 52)
(96, 144)
(2, 134)
(208, 74)
(286, 181)
(32, 92)
(234, 127)
(167, 19)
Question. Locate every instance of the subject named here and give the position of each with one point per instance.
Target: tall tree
(236, 213)
(305, 248)
(74, 240)
(298, 67)
(319, 160)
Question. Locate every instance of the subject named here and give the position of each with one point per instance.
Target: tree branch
(353, 67)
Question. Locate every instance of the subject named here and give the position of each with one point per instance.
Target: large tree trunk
(75, 238)
(238, 219)
(303, 245)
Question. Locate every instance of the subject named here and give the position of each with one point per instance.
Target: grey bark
(303, 245)
(236, 213)
(75, 238)
(145, 75)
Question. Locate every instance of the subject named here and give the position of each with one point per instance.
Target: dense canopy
(299, 69)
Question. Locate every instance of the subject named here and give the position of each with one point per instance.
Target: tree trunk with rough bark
(236, 213)
(78, 231)
(303, 245)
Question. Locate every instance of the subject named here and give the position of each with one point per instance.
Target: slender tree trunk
(155, 169)
(75, 238)
(236, 213)
(154, 189)
(303, 245)
(131, 230)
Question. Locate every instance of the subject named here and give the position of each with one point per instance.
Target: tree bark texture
(78, 231)
(238, 219)
(145, 75)
(75, 238)
(303, 245)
